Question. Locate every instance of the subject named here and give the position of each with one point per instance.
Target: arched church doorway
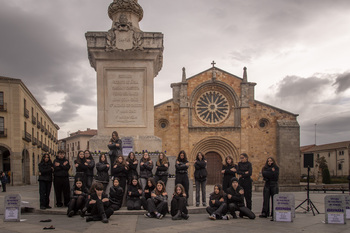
(5, 159)
(25, 167)
(214, 166)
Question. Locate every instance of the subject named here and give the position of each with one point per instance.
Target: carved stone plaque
(124, 98)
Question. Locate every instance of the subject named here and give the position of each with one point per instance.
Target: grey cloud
(342, 82)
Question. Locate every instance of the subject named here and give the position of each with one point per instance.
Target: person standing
(120, 170)
(181, 168)
(90, 168)
(229, 170)
(3, 178)
(270, 173)
(200, 176)
(102, 168)
(61, 179)
(146, 166)
(245, 172)
(132, 164)
(162, 166)
(45, 181)
(115, 147)
(80, 167)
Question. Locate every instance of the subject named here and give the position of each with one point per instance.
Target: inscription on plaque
(125, 98)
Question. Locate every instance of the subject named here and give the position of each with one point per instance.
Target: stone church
(216, 113)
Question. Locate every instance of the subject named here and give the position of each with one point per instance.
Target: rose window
(212, 107)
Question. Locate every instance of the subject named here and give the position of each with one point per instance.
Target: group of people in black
(143, 190)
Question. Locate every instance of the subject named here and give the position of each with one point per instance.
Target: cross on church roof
(213, 63)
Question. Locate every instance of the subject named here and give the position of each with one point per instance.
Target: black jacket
(200, 172)
(114, 149)
(95, 197)
(102, 172)
(116, 195)
(217, 198)
(146, 169)
(162, 170)
(269, 175)
(150, 190)
(236, 198)
(181, 168)
(81, 166)
(244, 167)
(135, 194)
(159, 198)
(61, 170)
(46, 171)
(90, 167)
(132, 171)
(119, 171)
(85, 192)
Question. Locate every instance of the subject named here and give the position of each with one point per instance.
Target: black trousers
(76, 204)
(182, 179)
(247, 184)
(89, 180)
(178, 203)
(98, 209)
(61, 184)
(115, 207)
(161, 207)
(270, 189)
(218, 211)
(133, 204)
(144, 202)
(242, 209)
(122, 182)
(162, 178)
(44, 192)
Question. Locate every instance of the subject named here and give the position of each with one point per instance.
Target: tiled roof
(325, 147)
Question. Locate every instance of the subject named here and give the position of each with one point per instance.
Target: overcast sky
(297, 51)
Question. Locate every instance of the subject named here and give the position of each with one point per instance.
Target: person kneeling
(217, 208)
(235, 200)
(157, 206)
(99, 204)
(178, 203)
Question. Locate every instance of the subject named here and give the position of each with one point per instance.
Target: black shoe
(148, 215)
(263, 215)
(48, 207)
(234, 215)
(83, 211)
(42, 207)
(71, 213)
(185, 216)
(241, 215)
(177, 216)
(104, 218)
(59, 205)
(197, 205)
(204, 204)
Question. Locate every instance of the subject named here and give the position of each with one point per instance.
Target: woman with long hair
(146, 166)
(162, 166)
(79, 194)
(132, 163)
(217, 208)
(45, 181)
(270, 173)
(133, 194)
(81, 167)
(245, 170)
(151, 185)
(181, 167)
(115, 147)
(178, 203)
(229, 170)
(90, 168)
(120, 170)
(200, 176)
(116, 195)
(102, 168)
(157, 205)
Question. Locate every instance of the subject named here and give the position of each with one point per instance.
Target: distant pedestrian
(3, 178)
(45, 180)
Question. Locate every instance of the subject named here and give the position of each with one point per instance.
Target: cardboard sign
(12, 204)
(335, 209)
(284, 207)
(127, 145)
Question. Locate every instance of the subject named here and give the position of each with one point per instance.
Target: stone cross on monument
(126, 60)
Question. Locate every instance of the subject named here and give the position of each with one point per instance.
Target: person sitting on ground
(133, 195)
(116, 195)
(157, 206)
(178, 203)
(99, 204)
(235, 200)
(151, 185)
(79, 194)
(217, 208)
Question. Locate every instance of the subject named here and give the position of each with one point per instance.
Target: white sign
(336, 218)
(283, 216)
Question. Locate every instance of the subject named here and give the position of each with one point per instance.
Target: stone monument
(126, 60)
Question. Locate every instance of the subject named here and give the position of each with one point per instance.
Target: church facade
(215, 112)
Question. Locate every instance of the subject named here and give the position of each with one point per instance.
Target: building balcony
(39, 144)
(3, 133)
(33, 120)
(27, 136)
(3, 107)
(72, 148)
(34, 141)
(50, 135)
(45, 148)
(42, 128)
(38, 125)
(26, 113)
(46, 132)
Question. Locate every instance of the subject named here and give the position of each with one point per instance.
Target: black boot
(104, 218)
(234, 215)
(83, 211)
(177, 216)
